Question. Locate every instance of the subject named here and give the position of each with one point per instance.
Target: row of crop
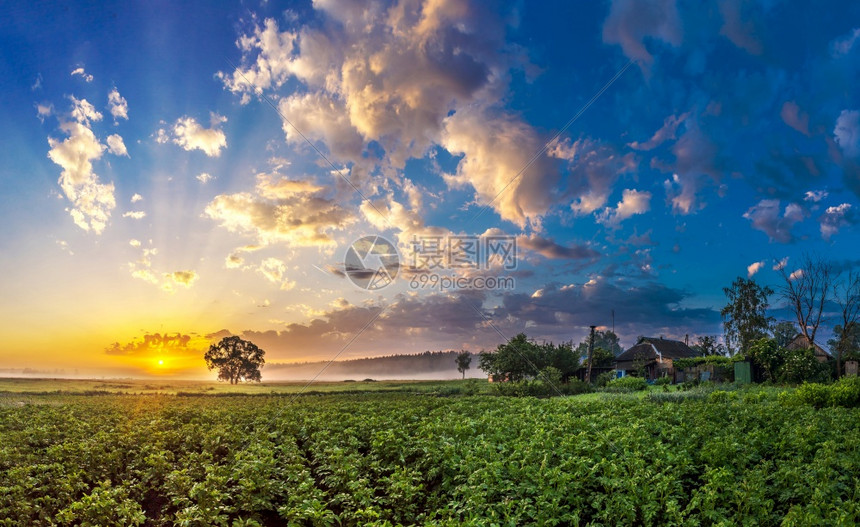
(398, 459)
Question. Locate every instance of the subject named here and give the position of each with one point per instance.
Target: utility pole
(590, 354)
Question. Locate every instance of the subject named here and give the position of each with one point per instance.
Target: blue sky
(154, 197)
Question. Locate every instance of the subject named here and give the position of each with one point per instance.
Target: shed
(655, 355)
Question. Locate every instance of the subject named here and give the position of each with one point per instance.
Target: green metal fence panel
(743, 373)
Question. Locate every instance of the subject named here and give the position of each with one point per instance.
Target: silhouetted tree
(745, 316)
(464, 360)
(807, 289)
(235, 359)
(602, 339)
(708, 345)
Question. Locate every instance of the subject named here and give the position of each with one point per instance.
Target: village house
(655, 356)
(801, 342)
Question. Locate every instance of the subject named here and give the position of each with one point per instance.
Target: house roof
(801, 342)
(649, 348)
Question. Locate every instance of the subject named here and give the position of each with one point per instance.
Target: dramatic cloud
(766, 217)
(83, 74)
(153, 343)
(392, 78)
(847, 132)
(118, 105)
(116, 146)
(281, 210)
(696, 162)
(495, 149)
(631, 22)
(549, 249)
(632, 202)
(754, 267)
(594, 168)
(190, 135)
(91, 200)
(837, 217)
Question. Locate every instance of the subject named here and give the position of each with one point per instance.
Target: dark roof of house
(648, 348)
(801, 342)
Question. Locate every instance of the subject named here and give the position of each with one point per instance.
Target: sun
(161, 362)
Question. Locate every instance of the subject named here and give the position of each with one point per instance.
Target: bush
(800, 365)
(626, 385)
(661, 381)
(604, 378)
(845, 392)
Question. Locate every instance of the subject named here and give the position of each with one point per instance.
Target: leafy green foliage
(627, 384)
(708, 345)
(745, 316)
(695, 458)
(235, 359)
(845, 392)
(520, 359)
(605, 340)
(463, 360)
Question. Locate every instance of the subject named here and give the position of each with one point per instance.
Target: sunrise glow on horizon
(175, 174)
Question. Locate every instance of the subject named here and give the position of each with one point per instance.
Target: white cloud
(495, 149)
(135, 215)
(753, 268)
(84, 112)
(190, 135)
(275, 271)
(83, 74)
(161, 136)
(134, 243)
(118, 105)
(835, 218)
(392, 78)
(632, 202)
(44, 110)
(815, 195)
(847, 132)
(136, 198)
(204, 177)
(116, 146)
(795, 274)
(281, 210)
(91, 200)
(780, 264)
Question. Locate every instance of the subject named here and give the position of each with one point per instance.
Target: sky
(172, 174)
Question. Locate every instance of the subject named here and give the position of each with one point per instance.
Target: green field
(692, 458)
(172, 387)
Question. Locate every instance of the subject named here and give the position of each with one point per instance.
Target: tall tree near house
(784, 332)
(745, 315)
(847, 295)
(806, 290)
(708, 345)
(464, 360)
